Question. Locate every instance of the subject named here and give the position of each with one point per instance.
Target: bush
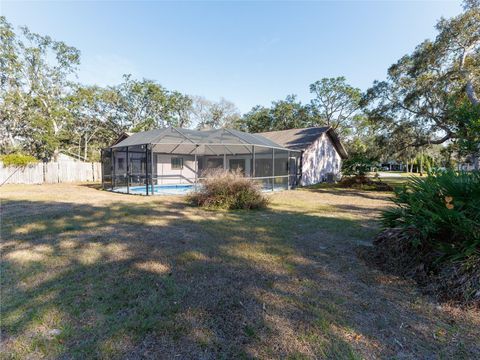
(357, 164)
(228, 190)
(443, 210)
(364, 183)
(18, 160)
(433, 235)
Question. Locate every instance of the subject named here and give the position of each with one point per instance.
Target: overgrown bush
(222, 189)
(17, 160)
(433, 235)
(444, 211)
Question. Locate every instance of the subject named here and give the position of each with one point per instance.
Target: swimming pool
(174, 189)
(179, 189)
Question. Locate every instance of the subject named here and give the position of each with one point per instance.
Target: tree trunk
(421, 164)
(56, 152)
(476, 160)
(472, 96)
(85, 150)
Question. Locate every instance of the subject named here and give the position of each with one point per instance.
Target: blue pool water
(159, 189)
(179, 189)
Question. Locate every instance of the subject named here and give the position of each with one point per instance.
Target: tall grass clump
(221, 189)
(433, 234)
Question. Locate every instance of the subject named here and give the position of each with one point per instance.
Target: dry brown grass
(148, 277)
(223, 189)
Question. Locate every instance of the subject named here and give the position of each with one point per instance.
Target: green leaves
(417, 94)
(357, 164)
(42, 111)
(444, 210)
(18, 160)
(335, 102)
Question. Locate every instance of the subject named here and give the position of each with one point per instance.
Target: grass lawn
(92, 274)
(396, 178)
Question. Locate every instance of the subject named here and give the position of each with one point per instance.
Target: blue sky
(247, 52)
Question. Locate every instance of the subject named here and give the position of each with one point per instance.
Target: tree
(358, 164)
(467, 115)
(34, 82)
(289, 114)
(282, 115)
(421, 87)
(139, 105)
(88, 122)
(258, 119)
(214, 115)
(335, 104)
(11, 96)
(180, 107)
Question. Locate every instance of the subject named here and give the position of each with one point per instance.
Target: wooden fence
(51, 172)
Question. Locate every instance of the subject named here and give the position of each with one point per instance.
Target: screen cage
(182, 162)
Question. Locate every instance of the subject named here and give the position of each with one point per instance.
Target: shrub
(443, 210)
(433, 235)
(364, 183)
(228, 190)
(357, 164)
(18, 160)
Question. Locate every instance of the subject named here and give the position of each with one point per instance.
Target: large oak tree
(424, 89)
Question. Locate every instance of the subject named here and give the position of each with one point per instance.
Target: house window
(177, 163)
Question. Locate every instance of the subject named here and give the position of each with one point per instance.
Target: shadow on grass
(158, 279)
(341, 191)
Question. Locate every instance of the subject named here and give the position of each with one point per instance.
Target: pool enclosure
(175, 160)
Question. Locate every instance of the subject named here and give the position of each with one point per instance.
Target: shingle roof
(301, 139)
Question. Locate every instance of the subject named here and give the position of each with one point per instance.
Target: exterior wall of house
(167, 175)
(318, 160)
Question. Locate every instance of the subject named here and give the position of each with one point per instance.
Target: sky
(250, 53)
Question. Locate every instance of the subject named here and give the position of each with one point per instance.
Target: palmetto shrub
(221, 189)
(441, 212)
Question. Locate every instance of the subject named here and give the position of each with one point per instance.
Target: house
(174, 160)
(122, 137)
(321, 152)
(153, 161)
